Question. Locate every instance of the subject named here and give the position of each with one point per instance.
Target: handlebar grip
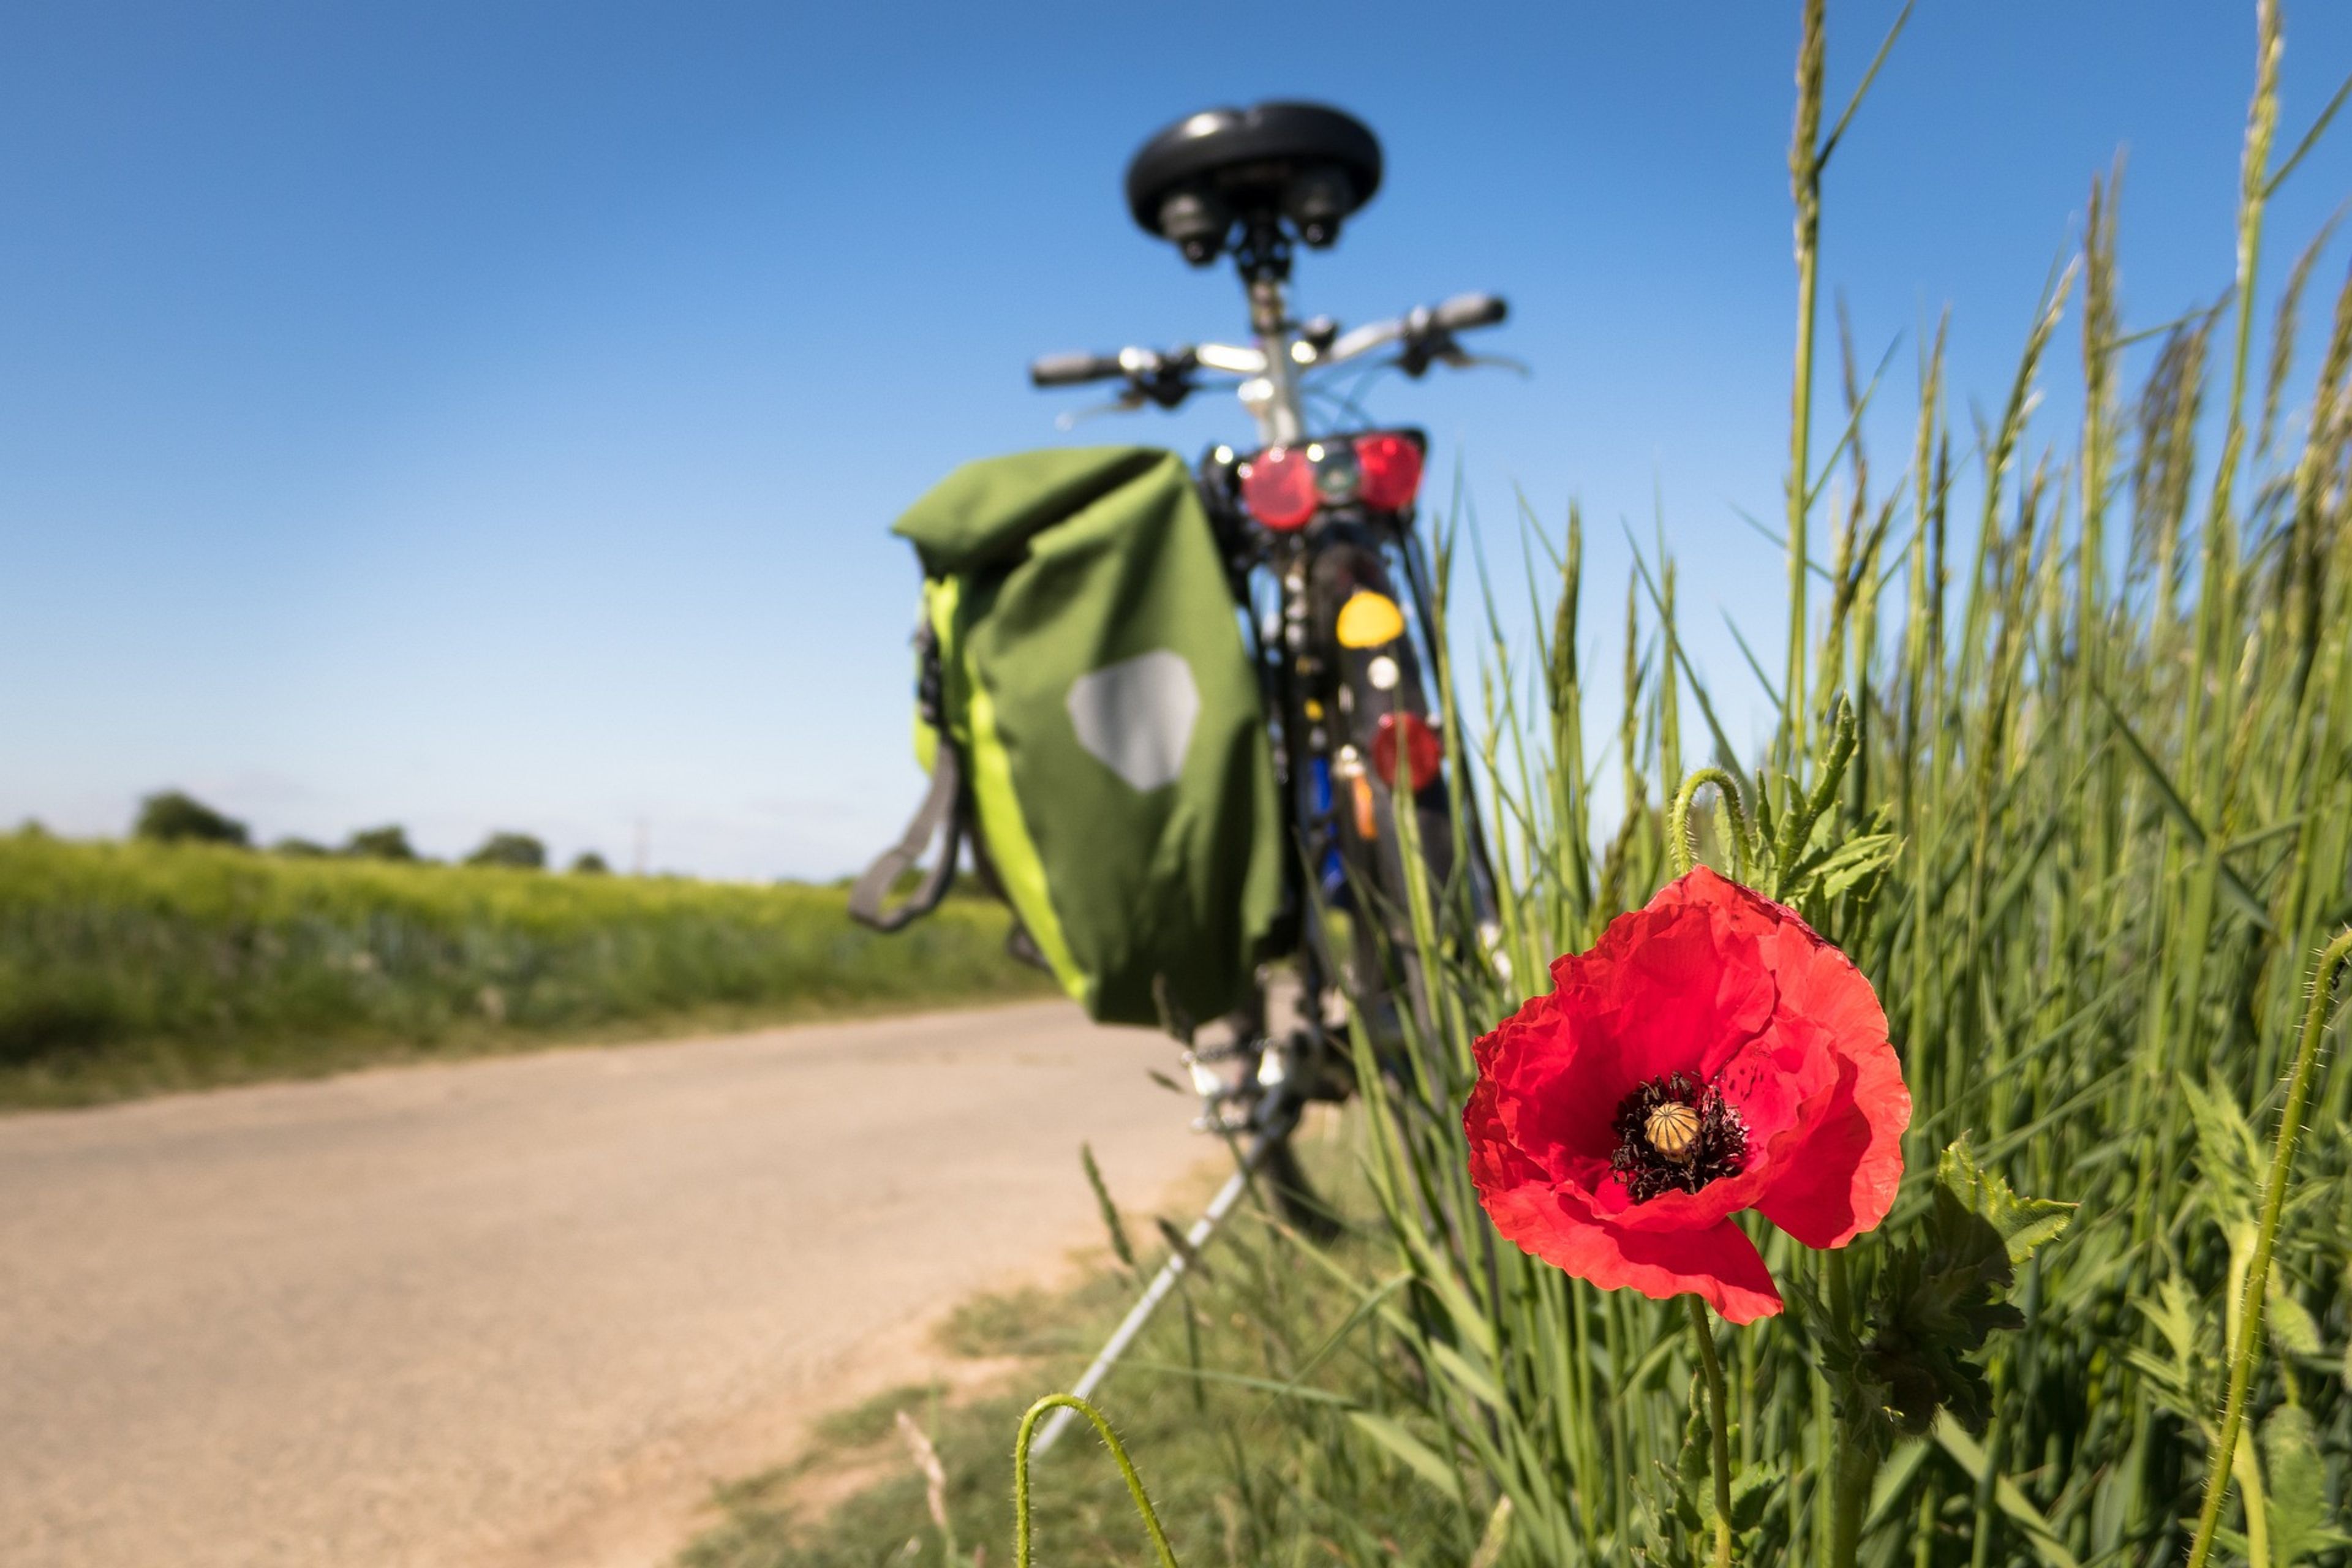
(1072, 370)
(1466, 311)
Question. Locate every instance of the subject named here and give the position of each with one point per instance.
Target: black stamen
(1720, 1149)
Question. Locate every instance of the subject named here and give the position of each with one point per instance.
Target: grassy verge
(2064, 763)
(131, 968)
(1225, 1466)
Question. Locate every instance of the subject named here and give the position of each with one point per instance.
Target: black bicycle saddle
(1301, 161)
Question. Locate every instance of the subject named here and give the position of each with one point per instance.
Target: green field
(128, 967)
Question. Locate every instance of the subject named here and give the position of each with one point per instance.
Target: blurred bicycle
(1317, 523)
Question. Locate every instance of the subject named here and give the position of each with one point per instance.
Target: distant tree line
(174, 817)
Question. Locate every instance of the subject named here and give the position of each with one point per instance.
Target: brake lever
(1127, 402)
(1165, 379)
(1461, 358)
(1425, 348)
(1440, 348)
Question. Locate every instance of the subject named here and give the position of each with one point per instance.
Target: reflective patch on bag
(1136, 717)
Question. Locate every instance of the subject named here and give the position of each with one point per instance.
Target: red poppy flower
(1710, 1055)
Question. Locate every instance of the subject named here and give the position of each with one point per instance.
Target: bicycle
(1316, 531)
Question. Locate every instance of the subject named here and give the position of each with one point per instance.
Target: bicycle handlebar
(1466, 311)
(1074, 369)
(1421, 330)
(1426, 333)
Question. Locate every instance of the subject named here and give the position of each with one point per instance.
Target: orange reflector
(1368, 822)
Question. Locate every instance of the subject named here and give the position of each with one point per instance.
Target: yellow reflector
(1369, 620)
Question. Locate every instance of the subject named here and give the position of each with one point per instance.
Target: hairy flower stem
(1718, 1427)
(1849, 1483)
(1853, 1463)
(1682, 846)
(1022, 1545)
(2250, 1308)
(1849, 1491)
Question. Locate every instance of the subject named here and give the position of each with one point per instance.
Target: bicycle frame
(1273, 396)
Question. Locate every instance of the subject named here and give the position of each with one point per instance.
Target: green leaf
(1891, 1487)
(1971, 1457)
(1462, 1314)
(1853, 862)
(2289, 1321)
(2228, 1156)
(1753, 1491)
(1939, 1296)
(2241, 1237)
(1418, 1456)
(2253, 1497)
(2181, 1382)
(1119, 1242)
(1693, 1482)
(2023, 1224)
(1468, 1378)
(1940, 1304)
(2297, 1480)
(1831, 869)
(2175, 1317)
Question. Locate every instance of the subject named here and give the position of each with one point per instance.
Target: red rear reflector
(1422, 750)
(1279, 489)
(1392, 466)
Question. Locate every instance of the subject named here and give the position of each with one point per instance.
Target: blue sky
(491, 416)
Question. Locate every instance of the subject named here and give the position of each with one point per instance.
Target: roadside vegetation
(133, 967)
(1237, 1480)
(2065, 765)
(175, 816)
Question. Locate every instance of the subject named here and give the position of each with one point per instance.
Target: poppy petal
(1843, 1180)
(1719, 1263)
(1675, 986)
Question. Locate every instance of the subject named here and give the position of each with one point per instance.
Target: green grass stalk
(1805, 161)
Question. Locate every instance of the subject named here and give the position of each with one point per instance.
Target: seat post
(1271, 399)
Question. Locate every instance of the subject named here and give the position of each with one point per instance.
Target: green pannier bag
(1091, 723)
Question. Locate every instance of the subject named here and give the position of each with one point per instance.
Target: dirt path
(521, 1310)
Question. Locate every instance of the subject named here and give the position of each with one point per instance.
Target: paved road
(519, 1310)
